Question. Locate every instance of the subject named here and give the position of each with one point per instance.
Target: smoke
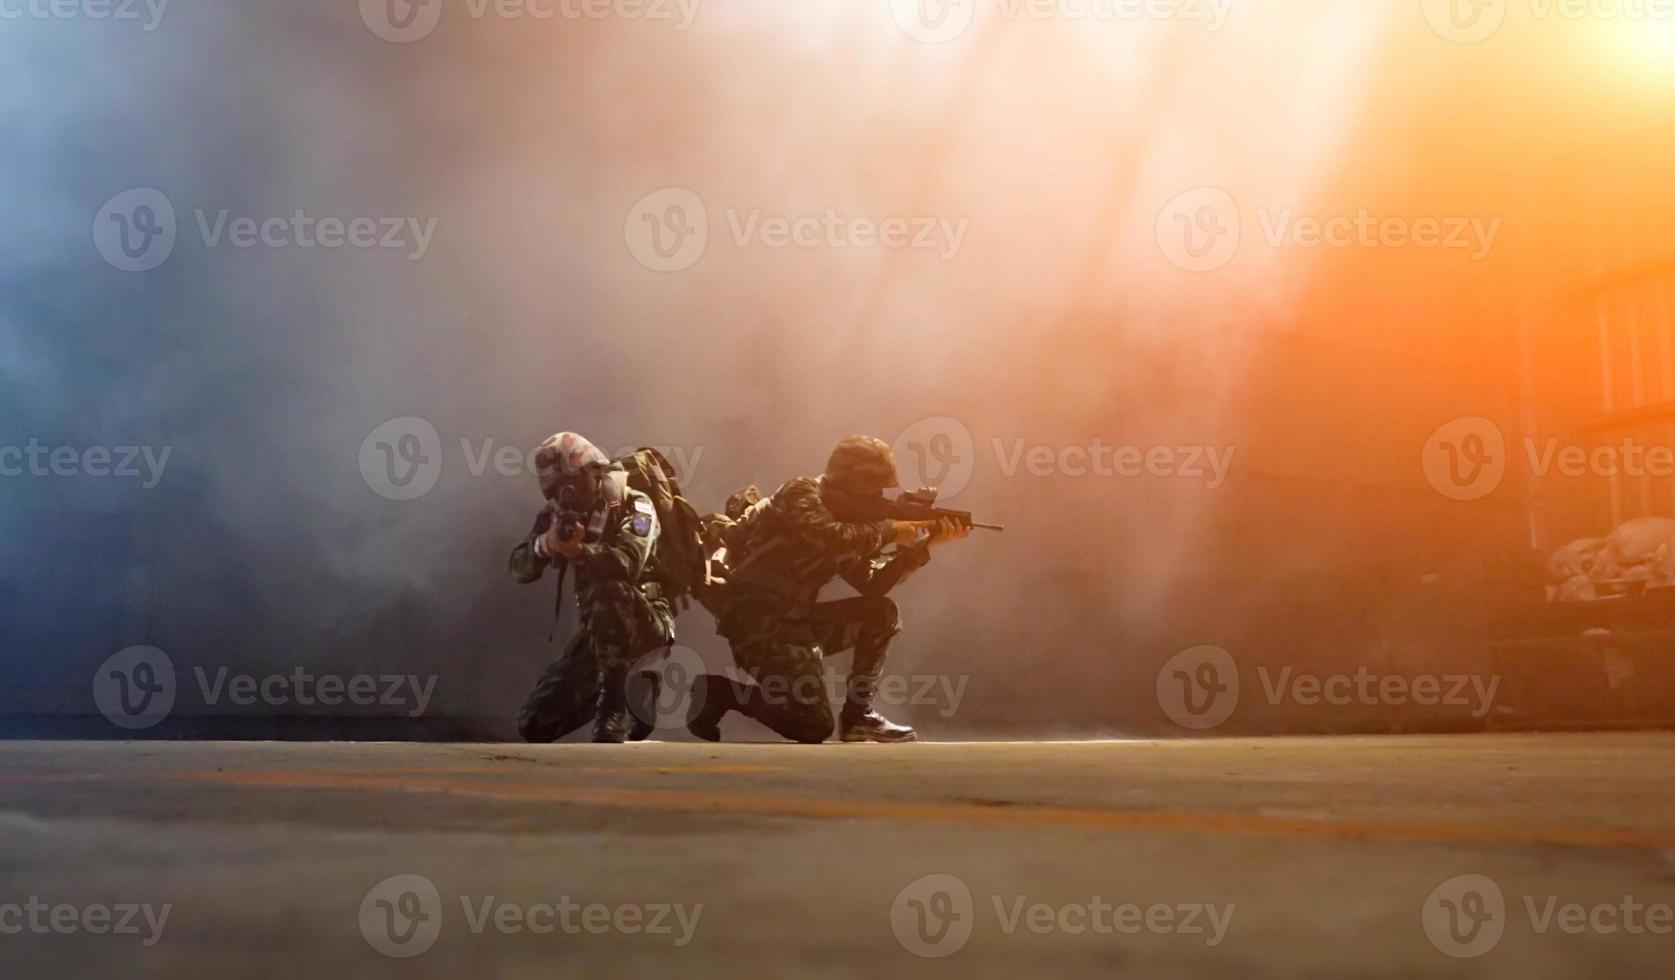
(1040, 311)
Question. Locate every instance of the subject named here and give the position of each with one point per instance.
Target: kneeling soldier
(596, 524)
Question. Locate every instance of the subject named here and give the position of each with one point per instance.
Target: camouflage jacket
(623, 553)
(790, 545)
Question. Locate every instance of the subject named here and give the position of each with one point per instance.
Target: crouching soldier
(785, 549)
(607, 532)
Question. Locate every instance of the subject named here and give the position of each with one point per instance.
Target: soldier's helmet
(861, 465)
(565, 456)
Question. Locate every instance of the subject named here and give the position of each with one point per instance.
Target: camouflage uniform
(792, 545)
(623, 617)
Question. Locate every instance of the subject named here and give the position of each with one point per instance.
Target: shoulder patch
(641, 525)
(643, 505)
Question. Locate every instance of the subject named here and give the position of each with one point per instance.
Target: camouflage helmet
(861, 465)
(565, 455)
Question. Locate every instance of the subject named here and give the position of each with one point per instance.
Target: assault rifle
(909, 505)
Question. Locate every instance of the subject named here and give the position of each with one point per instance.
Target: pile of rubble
(1638, 555)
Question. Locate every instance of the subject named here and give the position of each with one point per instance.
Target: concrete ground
(1324, 857)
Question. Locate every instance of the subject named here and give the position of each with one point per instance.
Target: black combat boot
(610, 719)
(866, 725)
(858, 722)
(643, 691)
(712, 698)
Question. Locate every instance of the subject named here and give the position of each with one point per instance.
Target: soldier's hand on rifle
(907, 533)
(947, 529)
(553, 542)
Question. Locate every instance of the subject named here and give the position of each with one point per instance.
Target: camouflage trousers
(786, 658)
(620, 628)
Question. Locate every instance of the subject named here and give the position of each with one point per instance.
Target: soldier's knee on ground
(811, 725)
(801, 719)
(533, 728)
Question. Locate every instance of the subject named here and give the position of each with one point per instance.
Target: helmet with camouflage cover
(563, 457)
(861, 465)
